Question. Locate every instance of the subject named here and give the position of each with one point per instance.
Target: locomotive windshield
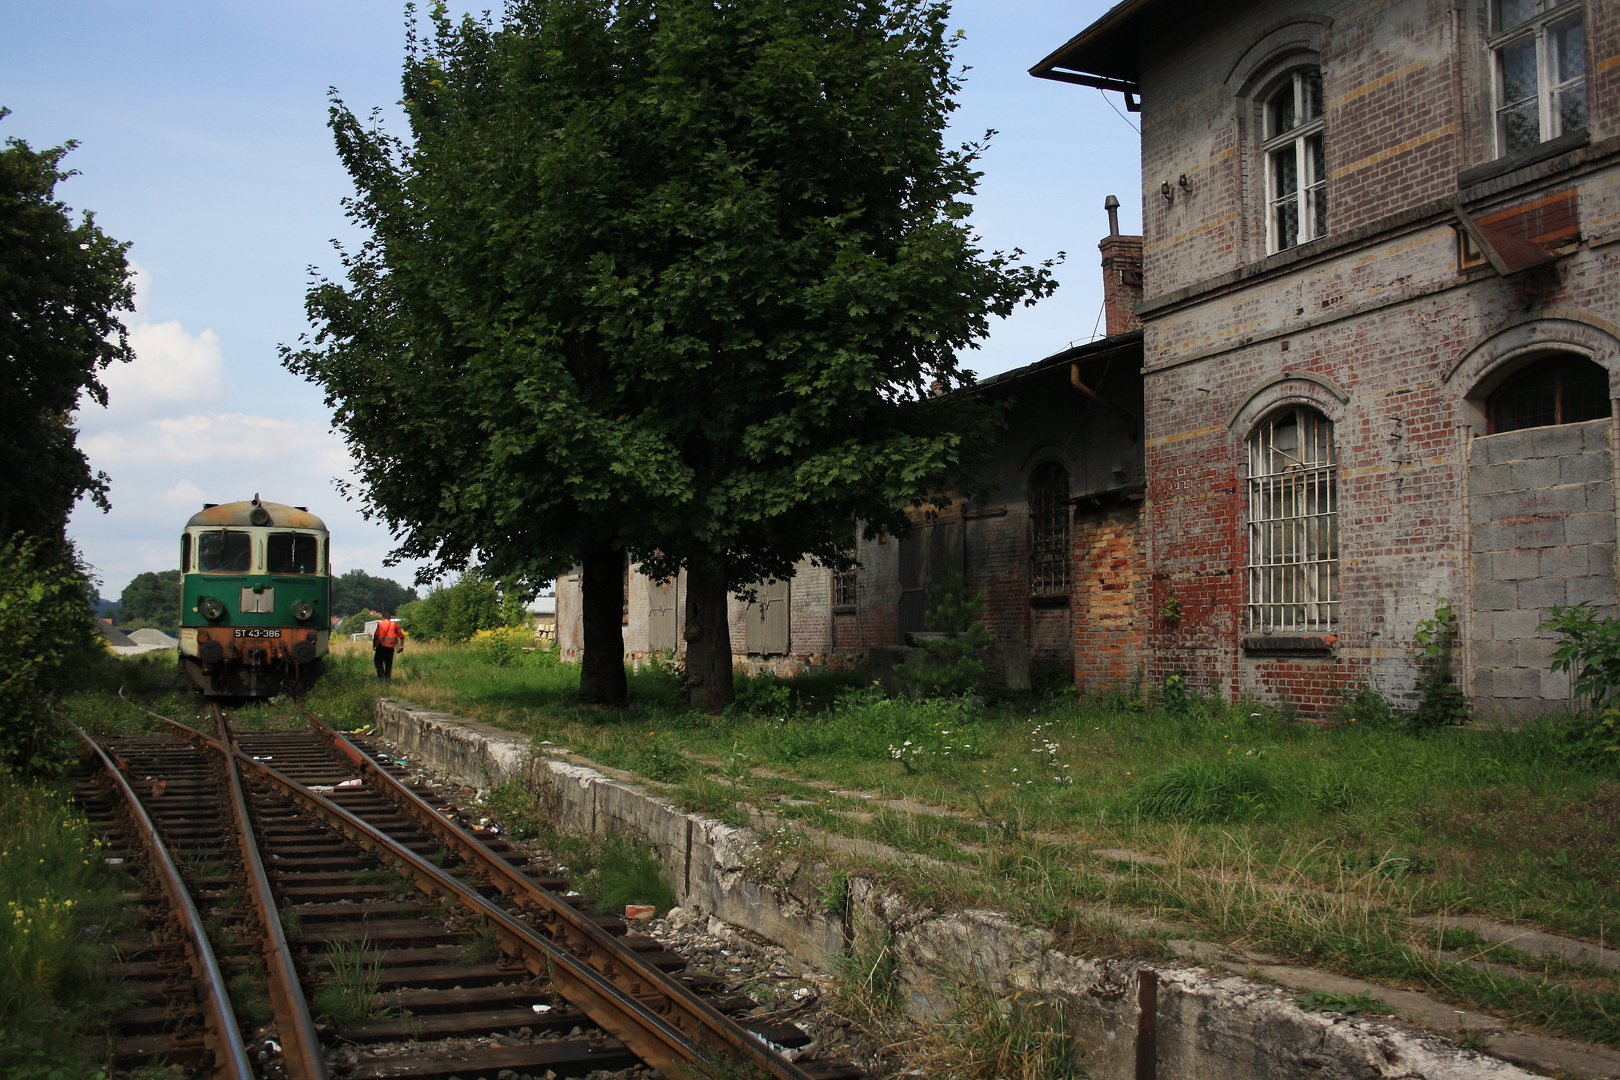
(292, 553)
(225, 552)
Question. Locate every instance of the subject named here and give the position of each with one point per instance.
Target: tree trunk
(708, 638)
(601, 674)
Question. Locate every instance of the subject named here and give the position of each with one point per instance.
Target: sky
(203, 143)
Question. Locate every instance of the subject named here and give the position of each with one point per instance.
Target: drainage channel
(426, 949)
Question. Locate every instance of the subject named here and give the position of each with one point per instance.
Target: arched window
(1296, 162)
(1555, 390)
(1293, 524)
(1049, 531)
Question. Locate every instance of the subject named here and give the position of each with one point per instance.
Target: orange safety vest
(388, 634)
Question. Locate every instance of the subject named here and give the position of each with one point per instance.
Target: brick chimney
(1122, 275)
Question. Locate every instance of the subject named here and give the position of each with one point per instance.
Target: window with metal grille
(1557, 390)
(1296, 162)
(1540, 51)
(846, 587)
(1293, 524)
(1049, 531)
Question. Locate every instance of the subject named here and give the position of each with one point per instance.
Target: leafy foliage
(356, 623)
(61, 284)
(1591, 650)
(151, 599)
(46, 635)
(457, 612)
(356, 590)
(502, 645)
(1441, 702)
(666, 277)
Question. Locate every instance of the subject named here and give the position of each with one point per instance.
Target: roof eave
(1067, 63)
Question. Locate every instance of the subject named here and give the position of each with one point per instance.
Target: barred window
(846, 587)
(1049, 531)
(1555, 390)
(1293, 524)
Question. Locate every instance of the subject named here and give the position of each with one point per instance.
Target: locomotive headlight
(211, 608)
(303, 610)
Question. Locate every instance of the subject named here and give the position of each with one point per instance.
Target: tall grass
(55, 895)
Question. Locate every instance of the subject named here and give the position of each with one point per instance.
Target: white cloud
(171, 368)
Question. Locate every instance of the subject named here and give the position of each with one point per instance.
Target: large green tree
(151, 599)
(679, 280)
(61, 284)
(356, 590)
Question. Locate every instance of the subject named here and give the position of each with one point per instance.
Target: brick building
(1380, 352)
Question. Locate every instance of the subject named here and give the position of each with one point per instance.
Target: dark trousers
(383, 656)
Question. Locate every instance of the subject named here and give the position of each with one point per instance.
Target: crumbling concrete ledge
(1210, 1025)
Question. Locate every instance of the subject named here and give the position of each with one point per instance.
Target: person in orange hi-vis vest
(385, 641)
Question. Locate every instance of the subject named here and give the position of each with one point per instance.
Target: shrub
(761, 695)
(46, 636)
(501, 646)
(1591, 651)
(949, 668)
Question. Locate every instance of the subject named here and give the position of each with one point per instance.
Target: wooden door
(661, 612)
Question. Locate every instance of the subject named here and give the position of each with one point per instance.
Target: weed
(871, 977)
(250, 994)
(1349, 1004)
(354, 973)
(1016, 1036)
(292, 923)
(949, 667)
(834, 895)
(481, 949)
(56, 895)
(1469, 1040)
(513, 805)
(1441, 702)
(627, 872)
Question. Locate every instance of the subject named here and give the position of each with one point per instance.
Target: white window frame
(1549, 118)
(1293, 525)
(1295, 141)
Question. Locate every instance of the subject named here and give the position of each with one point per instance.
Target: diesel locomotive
(255, 599)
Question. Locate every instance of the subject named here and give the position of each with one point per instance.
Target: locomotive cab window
(185, 554)
(292, 553)
(224, 552)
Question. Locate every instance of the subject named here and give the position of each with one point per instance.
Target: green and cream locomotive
(255, 599)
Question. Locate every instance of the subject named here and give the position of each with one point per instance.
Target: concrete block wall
(1542, 524)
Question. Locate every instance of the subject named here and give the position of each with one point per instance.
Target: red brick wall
(1111, 612)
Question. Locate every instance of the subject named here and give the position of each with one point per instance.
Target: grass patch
(513, 805)
(614, 871)
(1252, 811)
(57, 898)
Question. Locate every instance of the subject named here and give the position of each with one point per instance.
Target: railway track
(371, 931)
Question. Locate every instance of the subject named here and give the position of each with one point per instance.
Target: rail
(221, 1035)
(570, 928)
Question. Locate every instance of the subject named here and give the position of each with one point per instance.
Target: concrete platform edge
(1211, 1025)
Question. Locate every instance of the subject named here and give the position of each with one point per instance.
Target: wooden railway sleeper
(567, 926)
(222, 1040)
